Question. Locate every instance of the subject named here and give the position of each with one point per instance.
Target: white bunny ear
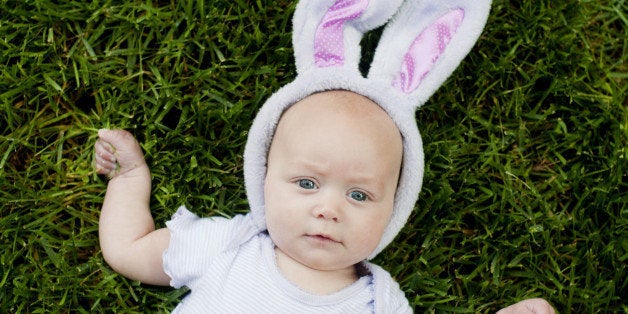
(425, 42)
(327, 33)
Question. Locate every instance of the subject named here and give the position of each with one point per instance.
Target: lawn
(525, 190)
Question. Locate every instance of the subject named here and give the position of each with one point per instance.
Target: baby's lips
(324, 237)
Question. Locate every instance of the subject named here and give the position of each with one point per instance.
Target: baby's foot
(529, 306)
(117, 153)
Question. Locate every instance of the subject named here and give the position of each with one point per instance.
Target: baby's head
(331, 180)
(421, 45)
(357, 111)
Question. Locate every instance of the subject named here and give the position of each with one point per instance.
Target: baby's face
(332, 174)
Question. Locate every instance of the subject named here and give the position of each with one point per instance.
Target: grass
(526, 176)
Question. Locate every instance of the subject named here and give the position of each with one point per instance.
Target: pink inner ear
(328, 41)
(425, 51)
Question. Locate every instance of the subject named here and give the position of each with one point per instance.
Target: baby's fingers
(117, 153)
(105, 151)
(103, 166)
(104, 159)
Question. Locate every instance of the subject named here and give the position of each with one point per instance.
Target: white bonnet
(421, 45)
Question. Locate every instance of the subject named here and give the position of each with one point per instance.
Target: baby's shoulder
(387, 292)
(186, 223)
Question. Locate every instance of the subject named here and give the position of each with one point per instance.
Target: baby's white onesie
(229, 266)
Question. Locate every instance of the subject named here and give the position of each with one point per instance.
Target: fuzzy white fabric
(307, 17)
(411, 18)
(420, 14)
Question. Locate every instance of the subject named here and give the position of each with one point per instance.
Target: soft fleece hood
(422, 44)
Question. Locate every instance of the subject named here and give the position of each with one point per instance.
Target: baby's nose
(329, 209)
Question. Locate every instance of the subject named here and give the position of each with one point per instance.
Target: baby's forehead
(340, 104)
(326, 117)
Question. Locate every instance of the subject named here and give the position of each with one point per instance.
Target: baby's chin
(324, 264)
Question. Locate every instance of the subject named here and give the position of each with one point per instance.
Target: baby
(333, 167)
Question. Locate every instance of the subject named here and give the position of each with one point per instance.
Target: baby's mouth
(322, 238)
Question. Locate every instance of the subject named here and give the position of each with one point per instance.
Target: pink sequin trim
(328, 41)
(425, 51)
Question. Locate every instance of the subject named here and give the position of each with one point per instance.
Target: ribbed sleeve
(195, 242)
(389, 298)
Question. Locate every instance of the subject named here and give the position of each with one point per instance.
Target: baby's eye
(307, 184)
(358, 196)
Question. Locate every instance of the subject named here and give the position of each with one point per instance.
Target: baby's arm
(128, 239)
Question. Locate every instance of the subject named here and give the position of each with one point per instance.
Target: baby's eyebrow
(371, 183)
(310, 166)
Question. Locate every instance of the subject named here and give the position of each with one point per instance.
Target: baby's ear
(424, 43)
(327, 33)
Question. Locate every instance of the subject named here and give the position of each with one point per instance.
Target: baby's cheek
(374, 231)
(367, 241)
(275, 223)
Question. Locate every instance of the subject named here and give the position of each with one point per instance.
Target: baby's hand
(529, 306)
(117, 153)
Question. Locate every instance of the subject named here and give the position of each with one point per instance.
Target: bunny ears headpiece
(420, 47)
